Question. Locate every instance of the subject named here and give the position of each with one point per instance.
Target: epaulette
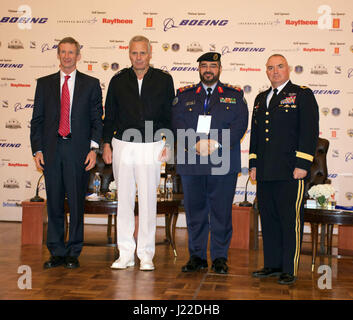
(232, 87)
(186, 88)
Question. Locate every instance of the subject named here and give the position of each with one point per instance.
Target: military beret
(210, 56)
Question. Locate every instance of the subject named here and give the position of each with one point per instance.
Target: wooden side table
(325, 217)
(243, 228)
(34, 219)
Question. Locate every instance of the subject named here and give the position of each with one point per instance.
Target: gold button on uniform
(267, 113)
(267, 121)
(266, 130)
(190, 109)
(267, 139)
(227, 108)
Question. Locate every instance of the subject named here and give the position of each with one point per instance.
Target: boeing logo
(10, 145)
(226, 49)
(170, 24)
(23, 20)
(11, 65)
(349, 156)
(46, 47)
(326, 91)
(18, 106)
(350, 73)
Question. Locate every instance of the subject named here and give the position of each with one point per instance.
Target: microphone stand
(37, 198)
(246, 203)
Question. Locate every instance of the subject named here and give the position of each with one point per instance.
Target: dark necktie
(207, 101)
(273, 98)
(64, 125)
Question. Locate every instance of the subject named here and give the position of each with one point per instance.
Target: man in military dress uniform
(215, 116)
(284, 133)
(137, 97)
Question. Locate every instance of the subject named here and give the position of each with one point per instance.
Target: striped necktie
(64, 125)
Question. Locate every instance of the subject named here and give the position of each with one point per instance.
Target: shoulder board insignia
(232, 87)
(304, 87)
(186, 88)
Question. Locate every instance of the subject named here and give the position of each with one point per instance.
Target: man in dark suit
(209, 119)
(66, 129)
(284, 133)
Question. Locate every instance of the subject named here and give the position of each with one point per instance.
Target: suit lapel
(280, 96)
(56, 90)
(77, 89)
(263, 101)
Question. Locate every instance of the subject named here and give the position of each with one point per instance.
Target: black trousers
(281, 210)
(208, 207)
(65, 176)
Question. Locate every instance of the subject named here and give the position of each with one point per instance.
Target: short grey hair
(141, 39)
(72, 41)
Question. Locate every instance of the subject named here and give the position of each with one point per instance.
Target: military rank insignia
(228, 100)
(190, 103)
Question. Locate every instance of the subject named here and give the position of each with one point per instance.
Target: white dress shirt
(71, 86)
(269, 96)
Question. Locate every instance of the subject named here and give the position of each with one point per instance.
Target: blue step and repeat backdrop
(315, 36)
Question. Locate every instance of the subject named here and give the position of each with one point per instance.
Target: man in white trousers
(137, 113)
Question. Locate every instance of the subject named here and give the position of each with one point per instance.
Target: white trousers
(136, 165)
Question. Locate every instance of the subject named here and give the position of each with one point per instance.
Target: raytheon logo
(169, 23)
(301, 22)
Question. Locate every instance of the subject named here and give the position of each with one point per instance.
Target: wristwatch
(95, 150)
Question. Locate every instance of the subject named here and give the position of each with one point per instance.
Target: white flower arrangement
(112, 186)
(321, 192)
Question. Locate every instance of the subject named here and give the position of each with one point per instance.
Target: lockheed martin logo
(169, 23)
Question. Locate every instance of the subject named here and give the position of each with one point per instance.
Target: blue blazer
(228, 109)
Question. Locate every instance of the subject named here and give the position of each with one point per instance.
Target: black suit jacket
(283, 136)
(86, 115)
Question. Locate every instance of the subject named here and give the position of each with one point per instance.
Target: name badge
(204, 124)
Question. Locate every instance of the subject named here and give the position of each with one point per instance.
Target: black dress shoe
(54, 261)
(267, 272)
(194, 264)
(71, 263)
(219, 265)
(287, 278)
